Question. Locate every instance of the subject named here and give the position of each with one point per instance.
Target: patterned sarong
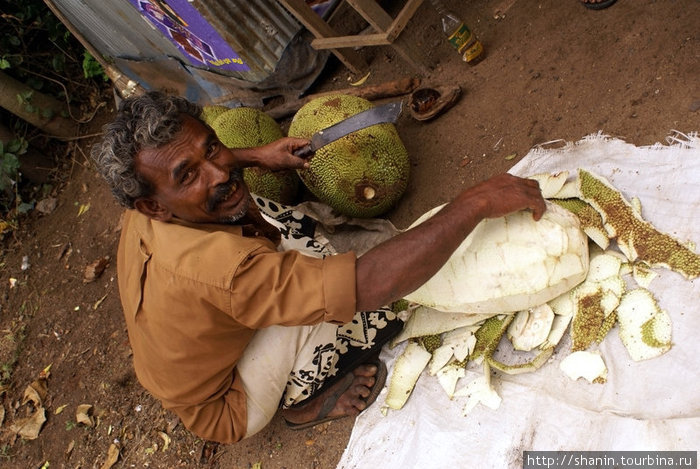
(355, 342)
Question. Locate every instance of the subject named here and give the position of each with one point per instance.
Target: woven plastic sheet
(648, 405)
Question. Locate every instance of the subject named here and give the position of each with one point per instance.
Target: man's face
(195, 178)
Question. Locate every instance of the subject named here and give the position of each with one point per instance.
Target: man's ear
(152, 209)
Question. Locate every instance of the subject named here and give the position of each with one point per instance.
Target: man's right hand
(504, 194)
(400, 265)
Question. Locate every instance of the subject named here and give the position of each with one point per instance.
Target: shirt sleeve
(290, 289)
(221, 418)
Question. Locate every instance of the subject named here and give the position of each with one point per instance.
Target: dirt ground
(554, 70)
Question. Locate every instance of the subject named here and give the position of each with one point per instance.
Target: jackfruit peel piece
(534, 364)
(489, 335)
(636, 238)
(568, 191)
(584, 364)
(440, 358)
(531, 327)
(602, 266)
(448, 377)
(407, 369)
(636, 205)
(614, 285)
(588, 315)
(608, 323)
(563, 305)
(428, 321)
(559, 326)
(598, 235)
(462, 340)
(590, 219)
(550, 183)
(479, 390)
(642, 274)
(645, 329)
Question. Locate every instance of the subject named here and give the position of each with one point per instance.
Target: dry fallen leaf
(29, 428)
(166, 440)
(69, 450)
(60, 409)
(361, 81)
(94, 270)
(82, 415)
(112, 456)
(83, 208)
(36, 392)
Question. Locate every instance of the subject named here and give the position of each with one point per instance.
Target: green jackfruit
(245, 127)
(362, 174)
(210, 113)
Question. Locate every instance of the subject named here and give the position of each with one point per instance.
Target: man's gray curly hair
(147, 121)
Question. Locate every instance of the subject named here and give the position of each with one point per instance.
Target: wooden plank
(320, 29)
(402, 19)
(372, 13)
(351, 41)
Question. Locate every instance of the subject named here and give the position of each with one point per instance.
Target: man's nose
(217, 174)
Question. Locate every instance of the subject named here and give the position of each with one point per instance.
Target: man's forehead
(192, 136)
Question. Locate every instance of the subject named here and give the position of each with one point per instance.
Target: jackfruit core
(362, 174)
(245, 127)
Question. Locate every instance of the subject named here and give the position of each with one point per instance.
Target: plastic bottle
(459, 35)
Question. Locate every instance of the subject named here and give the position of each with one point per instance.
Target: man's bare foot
(347, 397)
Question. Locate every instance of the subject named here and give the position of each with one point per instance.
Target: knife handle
(304, 151)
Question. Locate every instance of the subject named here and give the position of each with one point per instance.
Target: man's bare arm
(277, 155)
(400, 265)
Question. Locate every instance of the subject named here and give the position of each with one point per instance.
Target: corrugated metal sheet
(259, 32)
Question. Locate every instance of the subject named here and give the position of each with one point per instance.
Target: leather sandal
(427, 103)
(597, 5)
(330, 401)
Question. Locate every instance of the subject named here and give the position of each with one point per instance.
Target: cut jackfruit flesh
(509, 264)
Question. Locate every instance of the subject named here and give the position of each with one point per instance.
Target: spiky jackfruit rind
(245, 127)
(528, 367)
(607, 325)
(637, 238)
(211, 112)
(588, 319)
(431, 342)
(362, 174)
(489, 335)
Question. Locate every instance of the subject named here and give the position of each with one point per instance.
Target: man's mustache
(224, 189)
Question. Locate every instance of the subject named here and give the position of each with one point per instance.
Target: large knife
(377, 115)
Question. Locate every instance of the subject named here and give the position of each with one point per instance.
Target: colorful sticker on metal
(191, 33)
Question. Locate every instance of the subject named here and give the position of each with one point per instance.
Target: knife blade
(377, 115)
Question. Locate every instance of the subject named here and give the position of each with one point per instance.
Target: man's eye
(187, 176)
(213, 149)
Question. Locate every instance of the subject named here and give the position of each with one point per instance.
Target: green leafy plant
(9, 162)
(92, 68)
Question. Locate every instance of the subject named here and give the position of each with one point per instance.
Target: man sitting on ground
(227, 318)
